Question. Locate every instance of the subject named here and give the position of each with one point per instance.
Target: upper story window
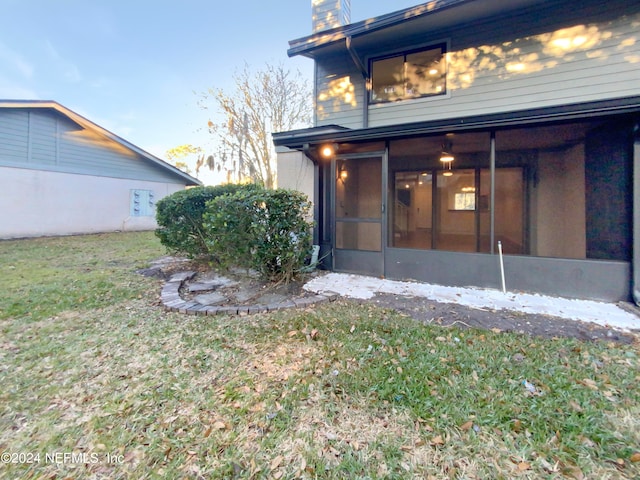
(415, 74)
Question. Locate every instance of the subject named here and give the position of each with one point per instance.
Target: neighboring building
(61, 174)
(458, 126)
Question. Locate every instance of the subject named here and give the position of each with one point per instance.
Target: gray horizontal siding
(332, 106)
(14, 137)
(610, 68)
(82, 152)
(42, 139)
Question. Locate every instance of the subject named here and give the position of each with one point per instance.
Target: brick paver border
(173, 302)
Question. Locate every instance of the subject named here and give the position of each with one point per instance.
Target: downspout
(365, 75)
(635, 265)
(306, 149)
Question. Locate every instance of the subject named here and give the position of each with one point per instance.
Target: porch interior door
(358, 215)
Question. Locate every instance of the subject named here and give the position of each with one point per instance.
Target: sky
(138, 67)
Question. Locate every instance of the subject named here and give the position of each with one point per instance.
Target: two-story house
(455, 130)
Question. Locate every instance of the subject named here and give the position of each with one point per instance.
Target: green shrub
(261, 229)
(179, 218)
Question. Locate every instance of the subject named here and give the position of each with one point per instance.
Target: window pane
(425, 73)
(387, 78)
(410, 75)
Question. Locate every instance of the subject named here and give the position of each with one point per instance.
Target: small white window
(465, 201)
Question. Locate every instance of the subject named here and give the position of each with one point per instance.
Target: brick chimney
(327, 14)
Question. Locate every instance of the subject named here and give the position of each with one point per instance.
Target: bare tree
(178, 155)
(269, 100)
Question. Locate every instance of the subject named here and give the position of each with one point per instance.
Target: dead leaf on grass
(219, 425)
(575, 406)
(516, 426)
(523, 466)
(437, 440)
(466, 426)
(547, 466)
(587, 382)
(275, 463)
(334, 452)
(573, 472)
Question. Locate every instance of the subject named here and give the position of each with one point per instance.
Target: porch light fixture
(447, 159)
(329, 150)
(342, 173)
(446, 156)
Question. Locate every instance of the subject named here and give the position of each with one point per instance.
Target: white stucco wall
(40, 203)
(295, 172)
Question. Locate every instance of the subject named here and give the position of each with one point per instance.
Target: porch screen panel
(609, 191)
(456, 211)
(411, 215)
(553, 200)
(509, 218)
(359, 204)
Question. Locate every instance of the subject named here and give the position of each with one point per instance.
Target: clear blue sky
(132, 66)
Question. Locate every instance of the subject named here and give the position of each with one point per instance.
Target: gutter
(306, 45)
(513, 118)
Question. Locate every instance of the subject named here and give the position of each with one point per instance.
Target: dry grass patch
(338, 391)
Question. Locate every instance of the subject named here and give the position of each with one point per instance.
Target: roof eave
(298, 139)
(306, 46)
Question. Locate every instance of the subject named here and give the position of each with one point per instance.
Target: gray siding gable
(45, 138)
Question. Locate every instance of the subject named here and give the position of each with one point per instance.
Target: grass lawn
(97, 381)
